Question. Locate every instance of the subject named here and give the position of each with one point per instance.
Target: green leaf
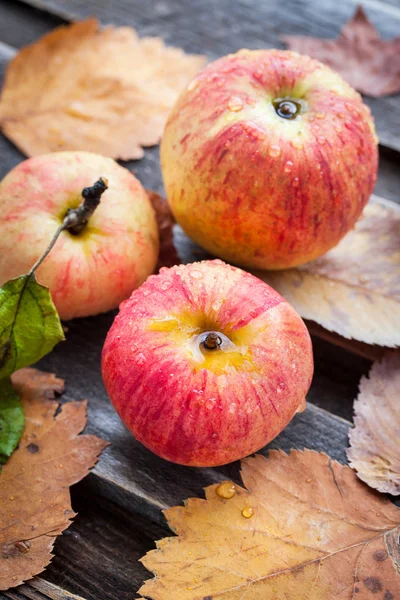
(29, 324)
(12, 419)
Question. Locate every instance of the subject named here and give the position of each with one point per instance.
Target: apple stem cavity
(76, 219)
(212, 341)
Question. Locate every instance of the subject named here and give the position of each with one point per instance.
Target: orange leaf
(368, 63)
(34, 484)
(168, 256)
(305, 528)
(375, 440)
(84, 88)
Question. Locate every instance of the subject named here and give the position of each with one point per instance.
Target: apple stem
(212, 341)
(76, 219)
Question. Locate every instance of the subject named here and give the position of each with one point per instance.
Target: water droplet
(294, 365)
(280, 387)
(363, 278)
(226, 490)
(320, 115)
(146, 292)
(254, 130)
(288, 166)
(166, 285)
(349, 107)
(274, 151)
(162, 270)
(247, 512)
(216, 306)
(321, 140)
(308, 480)
(341, 115)
(338, 129)
(297, 144)
(235, 103)
(140, 359)
(193, 85)
(196, 274)
(296, 182)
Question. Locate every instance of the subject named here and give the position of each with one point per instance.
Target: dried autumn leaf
(354, 289)
(34, 484)
(316, 533)
(375, 440)
(84, 88)
(168, 256)
(367, 62)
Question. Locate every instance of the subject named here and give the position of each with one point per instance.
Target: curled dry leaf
(168, 256)
(354, 289)
(375, 440)
(367, 62)
(34, 485)
(305, 528)
(85, 88)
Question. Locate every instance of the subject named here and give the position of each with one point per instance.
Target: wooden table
(120, 503)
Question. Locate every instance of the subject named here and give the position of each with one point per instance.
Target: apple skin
(212, 407)
(257, 189)
(91, 272)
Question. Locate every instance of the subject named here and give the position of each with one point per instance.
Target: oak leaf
(168, 256)
(315, 532)
(375, 440)
(367, 62)
(85, 88)
(34, 485)
(354, 289)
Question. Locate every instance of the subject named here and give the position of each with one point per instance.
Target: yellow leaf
(315, 533)
(101, 90)
(34, 484)
(375, 440)
(354, 289)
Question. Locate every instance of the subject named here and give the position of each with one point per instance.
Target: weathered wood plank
(39, 589)
(241, 23)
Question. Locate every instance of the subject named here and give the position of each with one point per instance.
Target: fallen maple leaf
(375, 440)
(168, 256)
(34, 484)
(354, 289)
(306, 529)
(84, 88)
(370, 64)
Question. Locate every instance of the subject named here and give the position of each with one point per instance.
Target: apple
(268, 158)
(90, 272)
(206, 364)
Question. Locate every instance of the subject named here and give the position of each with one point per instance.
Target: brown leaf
(316, 533)
(354, 289)
(375, 440)
(168, 256)
(370, 64)
(34, 484)
(84, 88)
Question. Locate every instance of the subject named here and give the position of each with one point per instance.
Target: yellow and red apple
(268, 158)
(205, 363)
(90, 272)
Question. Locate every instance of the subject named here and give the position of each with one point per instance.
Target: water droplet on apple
(166, 285)
(162, 270)
(247, 512)
(320, 115)
(288, 166)
(274, 151)
(193, 85)
(363, 278)
(226, 489)
(280, 387)
(296, 182)
(297, 144)
(341, 115)
(196, 274)
(338, 129)
(235, 103)
(216, 306)
(146, 292)
(349, 107)
(321, 140)
(294, 365)
(140, 359)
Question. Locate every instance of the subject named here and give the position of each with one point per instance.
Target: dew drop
(294, 365)
(363, 278)
(288, 166)
(341, 115)
(235, 103)
(321, 140)
(140, 359)
(296, 182)
(274, 151)
(280, 387)
(226, 490)
(320, 115)
(193, 85)
(297, 144)
(247, 512)
(216, 306)
(338, 129)
(349, 107)
(196, 274)
(166, 285)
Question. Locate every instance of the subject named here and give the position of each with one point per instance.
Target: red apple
(95, 270)
(206, 364)
(268, 158)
